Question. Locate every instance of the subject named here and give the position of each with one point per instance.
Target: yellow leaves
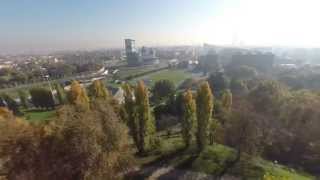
(204, 113)
(205, 98)
(5, 113)
(269, 176)
(98, 90)
(226, 100)
(78, 95)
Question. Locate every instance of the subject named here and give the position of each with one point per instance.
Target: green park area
(39, 115)
(216, 159)
(174, 75)
(177, 76)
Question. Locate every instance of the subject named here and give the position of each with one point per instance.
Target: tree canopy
(204, 103)
(78, 96)
(163, 89)
(42, 98)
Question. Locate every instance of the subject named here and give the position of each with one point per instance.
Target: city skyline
(44, 26)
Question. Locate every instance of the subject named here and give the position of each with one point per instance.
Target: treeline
(32, 72)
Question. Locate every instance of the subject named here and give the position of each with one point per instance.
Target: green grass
(39, 115)
(213, 160)
(168, 146)
(127, 71)
(176, 76)
(280, 171)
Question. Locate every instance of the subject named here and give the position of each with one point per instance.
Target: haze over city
(44, 26)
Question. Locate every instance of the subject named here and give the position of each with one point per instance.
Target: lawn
(39, 115)
(174, 75)
(213, 158)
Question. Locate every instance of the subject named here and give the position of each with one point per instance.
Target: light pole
(46, 77)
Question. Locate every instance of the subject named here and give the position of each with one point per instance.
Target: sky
(49, 25)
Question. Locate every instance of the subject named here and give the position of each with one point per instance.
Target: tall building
(129, 45)
(135, 58)
(131, 53)
(148, 56)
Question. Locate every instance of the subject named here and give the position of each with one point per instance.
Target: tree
(10, 103)
(42, 98)
(226, 100)
(98, 90)
(129, 114)
(204, 102)
(6, 113)
(76, 145)
(218, 82)
(268, 96)
(238, 87)
(78, 96)
(242, 131)
(23, 96)
(189, 117)
(163, 89)
(243, 72)
(146, 127)
(61, 94)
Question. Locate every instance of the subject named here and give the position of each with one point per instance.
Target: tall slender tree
(204, 113)
(146, 127)
(61, 94)
(78, 96)
(130, 112)
(188, 117)
(226, 100)
(97, 90)
(23, 96)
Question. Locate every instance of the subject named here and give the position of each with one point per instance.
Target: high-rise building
(129, 45)
(131, 53)
(135, 58)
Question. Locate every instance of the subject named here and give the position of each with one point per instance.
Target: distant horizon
(46, 26)
(50, 52)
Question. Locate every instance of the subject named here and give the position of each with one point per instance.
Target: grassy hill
(212, 162)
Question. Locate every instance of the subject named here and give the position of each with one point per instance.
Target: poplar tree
(145, 123)
(226, 100)
(78, 96)
(204, 102)
(130, 112)
(97, 90)
(61, 94)
(23, 99)
(188, 117)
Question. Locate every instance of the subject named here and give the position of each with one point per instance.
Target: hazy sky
(42, 25)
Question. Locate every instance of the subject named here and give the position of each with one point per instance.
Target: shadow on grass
(147, 169)
(180, 170)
